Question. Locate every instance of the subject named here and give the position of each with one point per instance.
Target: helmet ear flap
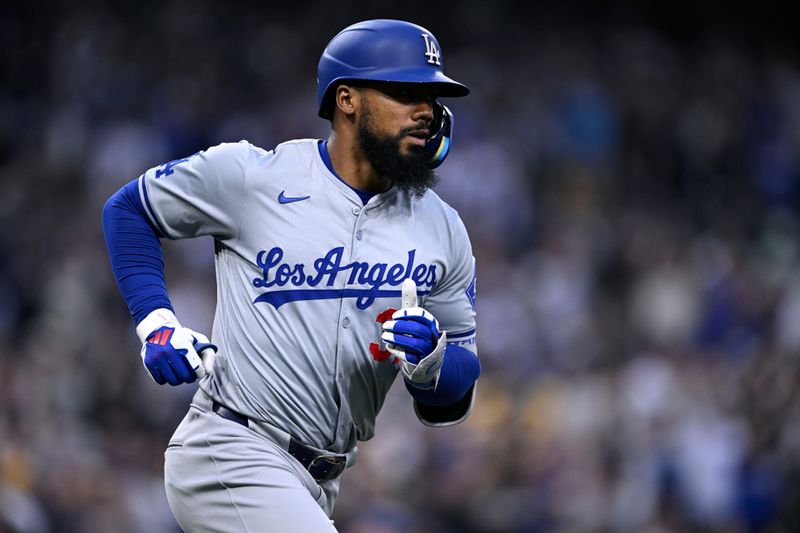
(437, 146)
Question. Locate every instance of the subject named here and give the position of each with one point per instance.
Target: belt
(322, 466)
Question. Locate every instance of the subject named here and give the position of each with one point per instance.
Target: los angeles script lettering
(326, 270)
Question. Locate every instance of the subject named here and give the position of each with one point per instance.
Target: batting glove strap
(423, 375)
(205, 349)
(154, 320)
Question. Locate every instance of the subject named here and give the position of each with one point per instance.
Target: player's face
(392, 129)
(404, 111)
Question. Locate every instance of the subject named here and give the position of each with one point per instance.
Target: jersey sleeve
(452, 300)
(202, 194)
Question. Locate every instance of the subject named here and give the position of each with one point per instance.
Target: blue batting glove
(414, 331)
(413, 337)
(170, 355)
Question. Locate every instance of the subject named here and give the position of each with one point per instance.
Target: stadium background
(629, 177)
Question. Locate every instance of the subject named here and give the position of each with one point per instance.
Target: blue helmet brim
(443, 86)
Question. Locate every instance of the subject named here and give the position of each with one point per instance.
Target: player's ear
(346, 99)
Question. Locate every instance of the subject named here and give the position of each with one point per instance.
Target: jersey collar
(326, 158)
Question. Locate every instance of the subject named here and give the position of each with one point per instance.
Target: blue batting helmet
(382, 50)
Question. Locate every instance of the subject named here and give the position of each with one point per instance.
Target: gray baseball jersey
(303, 268)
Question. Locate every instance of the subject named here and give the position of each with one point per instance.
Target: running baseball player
(337, 268)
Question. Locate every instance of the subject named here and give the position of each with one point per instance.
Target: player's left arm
(437, 344)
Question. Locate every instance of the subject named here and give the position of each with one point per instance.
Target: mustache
(419, 126)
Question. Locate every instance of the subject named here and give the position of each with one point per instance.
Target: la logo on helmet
(430, 50)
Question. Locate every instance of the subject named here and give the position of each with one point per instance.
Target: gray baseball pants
(223, 477)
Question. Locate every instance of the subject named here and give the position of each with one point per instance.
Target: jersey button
(358, 235)
(356, 210)
(346, 323)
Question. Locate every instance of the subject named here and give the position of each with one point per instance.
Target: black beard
(409, 172)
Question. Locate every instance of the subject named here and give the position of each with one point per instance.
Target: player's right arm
(179, 199)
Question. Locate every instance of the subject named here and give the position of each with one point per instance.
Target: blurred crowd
(632, 198)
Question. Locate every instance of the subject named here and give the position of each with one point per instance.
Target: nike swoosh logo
(282, 198)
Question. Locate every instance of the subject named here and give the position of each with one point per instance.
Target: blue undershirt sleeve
(135, 252)
(460, 370)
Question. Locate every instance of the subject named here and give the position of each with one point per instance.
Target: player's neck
(352, 167)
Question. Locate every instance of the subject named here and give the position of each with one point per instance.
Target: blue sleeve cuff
(460, 370)
(135, 253)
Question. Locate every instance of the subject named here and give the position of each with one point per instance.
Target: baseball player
(336, 267)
